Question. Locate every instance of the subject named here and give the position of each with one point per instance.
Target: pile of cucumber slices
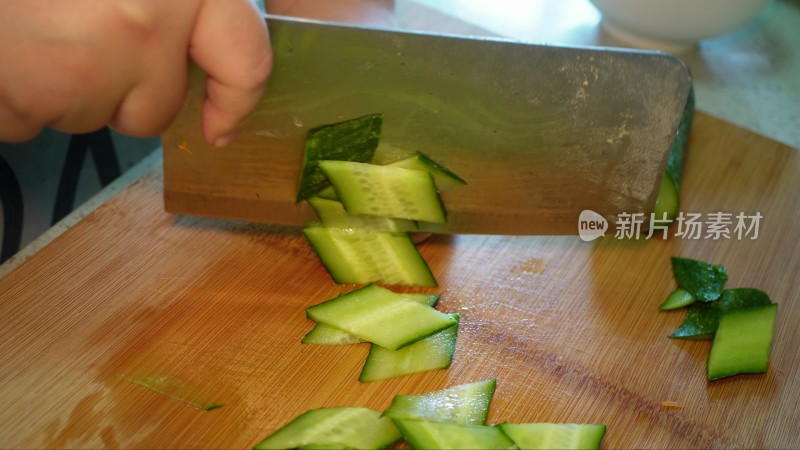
(450, 418)
(366, 210)
(740, 321)
(406, 333)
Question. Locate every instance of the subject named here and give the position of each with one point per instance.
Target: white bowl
(674, 25)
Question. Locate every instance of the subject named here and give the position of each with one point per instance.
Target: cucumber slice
(702, 318)
(466, 403)
(354, 256)
(351, 140)
(422, 434)
(444, 178)
(668, 200)
(381, 316)
(385, 191)
(328, 193)
(677, 299)
(743, 342)
(555, 435)
(432, 353)
(323, 447)
(700, 322)
(333, 215)
(324, 334)
(703, 280)
(176, 389)
(341, 427)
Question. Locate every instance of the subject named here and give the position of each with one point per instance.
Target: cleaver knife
(539, 132)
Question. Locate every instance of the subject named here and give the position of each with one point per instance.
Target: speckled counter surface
(750, 77)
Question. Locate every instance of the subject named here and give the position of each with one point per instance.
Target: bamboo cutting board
(569, 329)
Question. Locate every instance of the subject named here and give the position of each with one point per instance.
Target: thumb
(230, 43)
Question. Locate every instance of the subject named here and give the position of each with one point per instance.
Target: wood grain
(570, 329)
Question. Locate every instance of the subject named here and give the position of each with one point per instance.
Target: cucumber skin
(349, 140)
(703, 280)
(677, 153)
(442, 176)
(702, 318)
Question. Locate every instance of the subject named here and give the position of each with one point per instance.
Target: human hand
(78, 65)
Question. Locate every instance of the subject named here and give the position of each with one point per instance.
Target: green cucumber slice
(176, 389)
(422, 434)
(425, 299)
(385, 191)
(555, 435)
(380, 316)
(678, 298)
(328, 193)
(668, 200)
(432, 353)
(743, 342)
(351, 140)
(323, 447)
(702, 319)
(340, 427)
(443, 177)
(703, 280)
(355, 256)
(333, 215)
(465, 403)
(324, 334)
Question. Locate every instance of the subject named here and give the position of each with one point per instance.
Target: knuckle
(256, 75)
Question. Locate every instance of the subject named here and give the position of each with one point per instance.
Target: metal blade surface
(539, 132)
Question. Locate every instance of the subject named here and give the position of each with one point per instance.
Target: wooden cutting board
(570, 330)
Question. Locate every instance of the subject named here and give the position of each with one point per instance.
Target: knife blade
(539, 132)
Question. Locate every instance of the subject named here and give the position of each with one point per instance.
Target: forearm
(366, 12)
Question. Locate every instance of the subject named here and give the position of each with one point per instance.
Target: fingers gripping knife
(539, 132)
